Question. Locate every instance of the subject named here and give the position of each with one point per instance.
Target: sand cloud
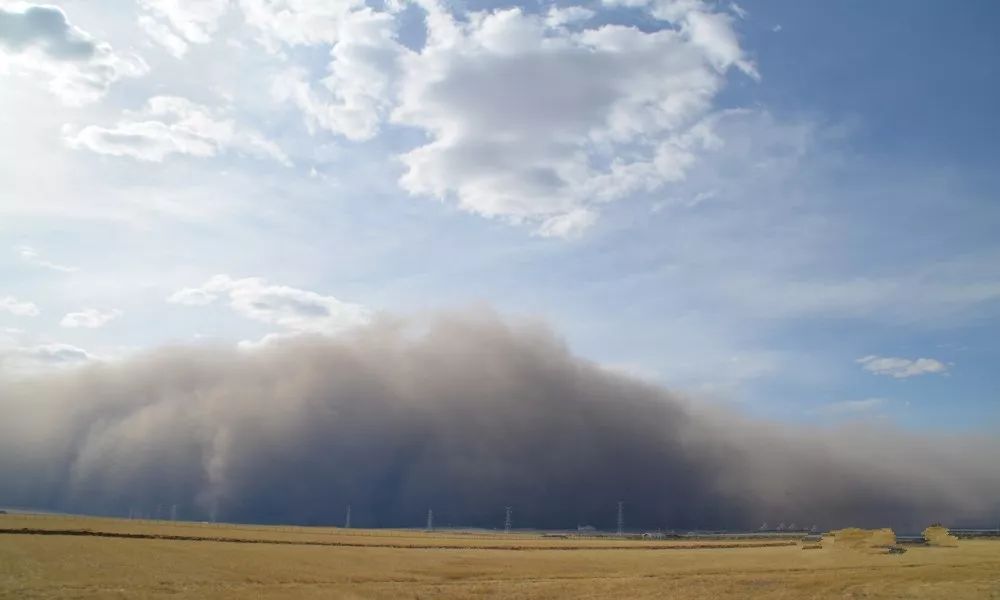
(464, 413)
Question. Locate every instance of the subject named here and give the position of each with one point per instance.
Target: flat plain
(83, 557)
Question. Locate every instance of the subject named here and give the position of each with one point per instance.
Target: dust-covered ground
(179, 560)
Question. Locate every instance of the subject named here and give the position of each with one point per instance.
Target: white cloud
(27, 360)
(295, 309)
(535, 125)
(298, 22)
(170, 125)
(528, 120)
(901, 368)
(176, 23)
(713, 32)
(31, 256)
(356, 95)
(568, 225)
(90, 318)
(162, 34)
(853, 406)
(567, 15)
(710, 30)
(57, 354)
(38, 40)
(193, 297)
(17, 307)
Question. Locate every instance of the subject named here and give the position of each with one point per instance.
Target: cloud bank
(464, 413)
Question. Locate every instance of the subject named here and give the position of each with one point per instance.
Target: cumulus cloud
(297, 310)
(90, 318)
(462, 413)
(355, 96)
(38, 40)
(32, 257)
(170, 125)
(537, 119)
(541, 125)
(17, 307)
(901, 368)
(566, 15)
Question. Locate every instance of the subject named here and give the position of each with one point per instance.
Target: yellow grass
(408, 564)
(940, 536)
(863, 540)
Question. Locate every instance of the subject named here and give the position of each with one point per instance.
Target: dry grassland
(408, 564)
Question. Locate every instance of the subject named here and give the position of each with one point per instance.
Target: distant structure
(347, 519)
(621, 518)
(430, 520)
(173, 512)
(763, 526)
(506, 520)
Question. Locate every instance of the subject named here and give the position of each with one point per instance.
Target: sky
(786, 206)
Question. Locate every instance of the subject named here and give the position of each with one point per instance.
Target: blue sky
(788, 206)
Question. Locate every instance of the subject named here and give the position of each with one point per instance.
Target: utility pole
(173, 512)
(621, 518)
(506, 521)
(430, 520)
(347, 520)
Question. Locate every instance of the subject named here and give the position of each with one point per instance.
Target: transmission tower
(173, 512)
(347, 519)
(506, 520)
(430, 520)
(621, 518)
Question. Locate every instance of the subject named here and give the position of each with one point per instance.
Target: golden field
(235, 561)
